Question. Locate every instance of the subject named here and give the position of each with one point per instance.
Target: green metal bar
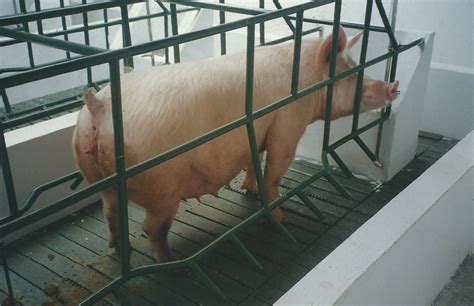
(104, 24)
(249, 114)
(338, 186)
(30, 199)
(101, 293)
(126, 35)
(348, 25)
(174, 31)
(166, 13)
(106, 29)
(6, 102)
(290, 37)
(51, 42)
(7, 174)
(64, 25)
(39, 22)
(147, 47)
(363, 56)
(206, 280)
(254, 11)
(386, 23)
(341, 163)
(297, 53)
(27, 29)
(223, 34)
(79, 63)
(288, 22)
(41, 114)
(332, 73)
(58, 205)
(364, 148)
(85, 21)
(245, 252)
(311, 205)
(120, 166)
(58, 12)
(261, 5)
(7, 273)
(150, 31)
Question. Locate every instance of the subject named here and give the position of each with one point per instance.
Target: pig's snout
(391, 91)
(377, 93)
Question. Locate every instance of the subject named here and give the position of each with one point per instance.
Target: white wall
(407, 252)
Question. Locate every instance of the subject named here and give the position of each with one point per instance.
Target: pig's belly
(209, 181)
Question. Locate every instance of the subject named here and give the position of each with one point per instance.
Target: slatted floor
(66, 262)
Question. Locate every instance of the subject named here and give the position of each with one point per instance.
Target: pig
(166, 106)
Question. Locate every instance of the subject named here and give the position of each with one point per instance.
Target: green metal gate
(90, 56)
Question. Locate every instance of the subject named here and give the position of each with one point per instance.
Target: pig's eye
(94, 128)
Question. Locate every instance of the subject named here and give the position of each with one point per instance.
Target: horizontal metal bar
(58, 205)
(349, 25)
(93, 60)
(51, 42)
(290, 37)
(97, 26)
(60, 11)
(9, 123)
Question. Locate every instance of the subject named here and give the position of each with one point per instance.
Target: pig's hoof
(249, 188)
(279, 216)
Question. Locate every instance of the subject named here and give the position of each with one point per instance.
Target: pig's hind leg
(250, 179)
(110, 209)
(157, 223)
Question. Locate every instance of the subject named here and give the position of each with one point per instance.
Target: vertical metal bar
(7, 174)
(262, 24)
(120, 166)
(251, 131)
(332, 72)
(244, 251)
(7, 273)
(390, 68)
(6, 102)
(64, 25)
(85, 19)
(363, 56)
(150, 31)
(287, 20)
(386, 22)
(39, 22)
(174, 30)
(341, 164)
(27, 29)
(126, 36)
(223, 34)
(249, 113)
(207, 281)
(311, 206)
(106, 29)
(297, 53)
(166, 30)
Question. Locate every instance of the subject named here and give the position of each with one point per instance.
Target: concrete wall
(38, 154)
(408, 251)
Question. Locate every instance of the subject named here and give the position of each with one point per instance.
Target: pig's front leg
(250, 180)
(110, 209)
(157, 223)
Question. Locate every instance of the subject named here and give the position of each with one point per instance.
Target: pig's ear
(326, 47)
(93, 104)
(354, 40)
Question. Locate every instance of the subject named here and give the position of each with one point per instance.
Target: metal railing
(92, 56)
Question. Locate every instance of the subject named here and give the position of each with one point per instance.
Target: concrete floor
(460, 289)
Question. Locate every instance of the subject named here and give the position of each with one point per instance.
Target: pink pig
(166, 106)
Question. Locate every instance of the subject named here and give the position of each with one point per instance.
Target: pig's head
(375, 93)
